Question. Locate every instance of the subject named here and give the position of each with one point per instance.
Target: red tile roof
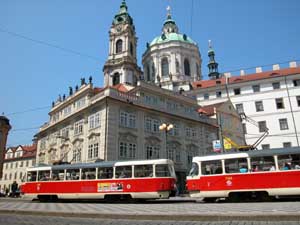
(97, 90)
(121, 87)
(29, 151)
(245, 78)
(209, 110)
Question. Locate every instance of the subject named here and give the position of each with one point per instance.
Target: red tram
(258, 175)
(144, 179)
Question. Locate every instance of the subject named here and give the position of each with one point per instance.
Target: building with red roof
(271, 99)
(16, 160)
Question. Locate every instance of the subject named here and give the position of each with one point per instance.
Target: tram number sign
(217, 146)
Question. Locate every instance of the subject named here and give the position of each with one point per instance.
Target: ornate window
(77, 154)
(192, 151)
(116, 79)
(119, 46)
(187, 70)
(94, 120)
(127, 146)
(65, 133)
(152, 125)
(93, 151)
(127, 119)
(80, 103)
(127, 150)
(165, 67)
(152, 151)
(78, 127)
(63, 153)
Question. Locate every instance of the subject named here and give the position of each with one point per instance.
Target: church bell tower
(121, 65)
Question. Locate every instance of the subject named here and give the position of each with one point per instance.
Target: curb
(191, 217)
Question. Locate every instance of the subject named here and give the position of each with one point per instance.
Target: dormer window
(237, 91)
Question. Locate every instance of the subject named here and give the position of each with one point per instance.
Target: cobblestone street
(11, 219)
(174, 211)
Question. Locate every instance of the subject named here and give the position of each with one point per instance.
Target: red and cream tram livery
(246, 175)
(144, 179)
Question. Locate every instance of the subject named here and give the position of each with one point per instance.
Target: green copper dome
(167, 37)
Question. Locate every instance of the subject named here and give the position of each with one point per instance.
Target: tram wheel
(263, 196)
(209, 200)
(234, 197)
(43, 198)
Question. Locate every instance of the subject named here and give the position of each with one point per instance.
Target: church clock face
(119, 29)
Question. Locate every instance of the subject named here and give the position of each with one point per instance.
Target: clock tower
(121, 65)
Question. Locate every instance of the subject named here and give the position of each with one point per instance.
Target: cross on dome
(209, 44)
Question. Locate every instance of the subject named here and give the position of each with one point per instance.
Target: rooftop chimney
(293, 64)
(242, 72)
(258, 69)
(227, 74)
(276, 67)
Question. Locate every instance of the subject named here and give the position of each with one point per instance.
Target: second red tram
(247, 175)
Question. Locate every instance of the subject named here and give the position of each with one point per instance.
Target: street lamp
(166, 127)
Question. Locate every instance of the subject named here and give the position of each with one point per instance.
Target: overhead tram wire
(48, 44)
(25, 129)
(29, 110)
(192, 10)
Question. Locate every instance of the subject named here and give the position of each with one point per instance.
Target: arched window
(165, 67)
(116, 79)
(148, 72)
(131, 48)
(187, 70)
(119, 45)
(153, 72)
(198, 70)
(177, 66)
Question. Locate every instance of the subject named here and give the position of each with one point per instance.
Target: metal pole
(292, 112)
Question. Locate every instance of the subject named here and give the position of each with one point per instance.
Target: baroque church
(122, 120)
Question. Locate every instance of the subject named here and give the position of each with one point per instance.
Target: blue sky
(244, 33)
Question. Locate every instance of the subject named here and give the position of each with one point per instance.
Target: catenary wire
(48, 44)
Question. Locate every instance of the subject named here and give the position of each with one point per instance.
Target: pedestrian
(14, 188)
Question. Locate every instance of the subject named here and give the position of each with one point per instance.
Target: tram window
(123, 172)
(289, 162)
(105, 172)
(238, 165)
(31, 176)
(211, 167)
(72, 174)
(88, 173)
(265, 163)
(143, 170)
(162, 170)
(44, 175)
(58, 175)
(195, 169)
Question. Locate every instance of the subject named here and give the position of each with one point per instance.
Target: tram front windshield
(194, 170)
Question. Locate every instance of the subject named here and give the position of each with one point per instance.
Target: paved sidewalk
(161, 210)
